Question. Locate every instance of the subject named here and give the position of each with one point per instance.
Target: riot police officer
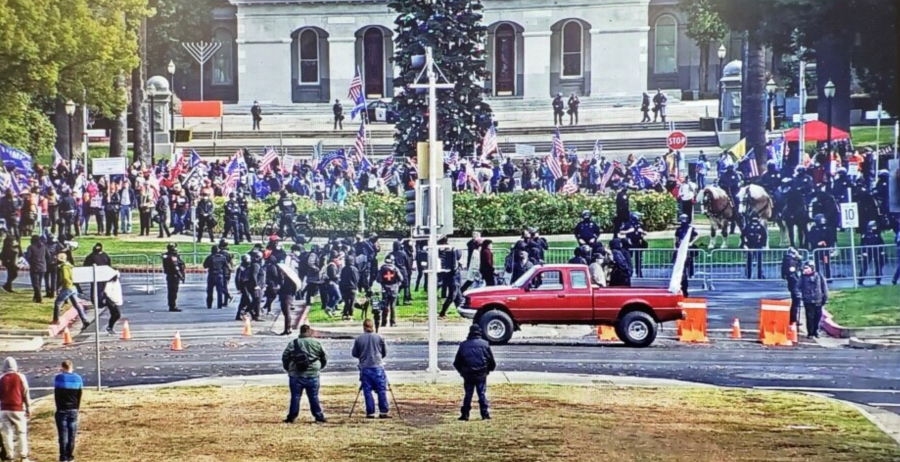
(286, 209)
(229, 267)
(872, 252)
(790, 272)
(754, 236)
(216, 266)
(173, 267)
(681, 231)
(273, 281)
(586, 231)
(242, 283)
(623, 209)
(256, 282)
(243, 228)
(841, 183)
(205, 219)
(803, 183)
(620, 273)
(402, 262)
(731, 183)
(771, 180)
(632, 235)
(820, 240)
(232, 210)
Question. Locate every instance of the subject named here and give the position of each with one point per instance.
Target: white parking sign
(849, 215)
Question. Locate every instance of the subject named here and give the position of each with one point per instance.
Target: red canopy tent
(816, 131)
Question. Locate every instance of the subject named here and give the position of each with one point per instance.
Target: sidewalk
(884, 420)
(453, 332)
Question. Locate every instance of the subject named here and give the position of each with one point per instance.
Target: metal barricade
(871, 262)
(658, 264)
(746, 264)
(139, 265)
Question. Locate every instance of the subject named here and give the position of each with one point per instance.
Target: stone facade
(306, 51)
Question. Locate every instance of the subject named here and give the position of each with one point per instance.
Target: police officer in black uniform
(872, 252)
(205, 218)
(632, 236)
(820, 238)
(754, 236)
(229, 267)
(731, 183)
(54, 248)
(173, 267)
(216, 265)
(232, 211)
(242, 282)
(402, 262)
(287, 209)
(790, 272)
(841, 184)
(620, 273)
(256, 282)
(586, 231)
(771, 180)
(243, 228)
(803, 183)
(623, 209)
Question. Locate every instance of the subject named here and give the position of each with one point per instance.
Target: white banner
(524, 150)
(109, 166)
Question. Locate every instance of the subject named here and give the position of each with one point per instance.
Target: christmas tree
(453, 29)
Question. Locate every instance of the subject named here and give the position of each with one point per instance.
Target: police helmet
(283, 194)
(585, 214)
(801, 169)
(786, 181)
(791, 252)
(809, 264)
(245, 259)
(754, 218)
(872, 225)
(841, 171)
(636, 215)
(171, 247)
(214, 249)
(223, 244)
(683, 218)
(819, 219)
(389, 259)
(256, 255)
(585, 250)
(231, 195)
(729, 167)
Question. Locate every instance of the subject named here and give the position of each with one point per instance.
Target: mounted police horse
(756, 202)
(718, 206)
(825, 204)
(795, 216)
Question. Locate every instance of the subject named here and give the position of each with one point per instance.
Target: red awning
(816, 131)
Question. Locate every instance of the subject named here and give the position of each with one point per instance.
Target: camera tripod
(390, 390)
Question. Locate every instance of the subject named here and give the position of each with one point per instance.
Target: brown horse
(718, 206)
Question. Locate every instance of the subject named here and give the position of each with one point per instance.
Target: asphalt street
(215, 347)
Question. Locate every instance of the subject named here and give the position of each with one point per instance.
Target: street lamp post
(70, 111)
(829, 94)
(171, 69)
(771, 87)
(721, 53)
(151, 92)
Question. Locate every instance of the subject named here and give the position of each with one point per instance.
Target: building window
(572, 42)
(223, 60)
(666, 33)
(309, 57)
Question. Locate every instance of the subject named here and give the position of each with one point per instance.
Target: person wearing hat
(814, 293)
(586, 231)
(730, 181)
(558, 106)
(873, 252)
(100, 258)
(632, 235)
(474, 361)
(173, 267)
(390, 278)
(790, 272)
(67, 292)
(256, 114)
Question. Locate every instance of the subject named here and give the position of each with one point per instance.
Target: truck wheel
(497, 327)
(637, 329)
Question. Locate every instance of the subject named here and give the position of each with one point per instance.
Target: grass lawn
(17, 311)
(871, 306)
(866, 136)
(531, 423)
(417, 312)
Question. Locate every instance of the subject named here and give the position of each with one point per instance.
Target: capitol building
(306, 51)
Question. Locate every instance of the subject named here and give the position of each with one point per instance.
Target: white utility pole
(802, 142)
(435, 162)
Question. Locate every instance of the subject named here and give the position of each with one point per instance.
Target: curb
(836, 330)
(873, 345)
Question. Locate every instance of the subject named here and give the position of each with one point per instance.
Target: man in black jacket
(173, 267)
(401, 261)
(216, 265)
(474, 361)
(100, 258)
(349, 285)
(38, 259)
(205, 219)
(338, 114)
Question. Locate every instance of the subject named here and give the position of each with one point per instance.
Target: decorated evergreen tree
(454, 30)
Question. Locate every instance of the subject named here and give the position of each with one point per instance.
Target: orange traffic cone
(736, 329)
(792, 333)
(126, 331)
(176, 344)
(67, 337)
(248, 331)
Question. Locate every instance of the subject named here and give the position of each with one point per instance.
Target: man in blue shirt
(67, 393)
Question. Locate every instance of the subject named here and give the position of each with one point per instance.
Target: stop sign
(676, 141)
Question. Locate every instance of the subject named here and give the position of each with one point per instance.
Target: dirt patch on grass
(531, 423)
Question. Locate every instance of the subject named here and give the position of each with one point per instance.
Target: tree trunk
(61, 122)
(704, 67)
(754, 100)
(139, 110)
(118, 137)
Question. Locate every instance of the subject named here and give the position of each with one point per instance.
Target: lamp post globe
(721, 53)
(171, 69)
(829, 93)
(70, 111)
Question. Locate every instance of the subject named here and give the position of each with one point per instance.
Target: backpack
(299, 358)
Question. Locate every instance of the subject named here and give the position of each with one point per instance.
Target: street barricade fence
(870, 262)
(146, 273)
(747, 264)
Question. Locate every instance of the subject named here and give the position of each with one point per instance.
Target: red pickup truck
(564, 295)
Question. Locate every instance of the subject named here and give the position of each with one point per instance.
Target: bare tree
(139, 110)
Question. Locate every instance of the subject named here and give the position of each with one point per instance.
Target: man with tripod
(370, 349)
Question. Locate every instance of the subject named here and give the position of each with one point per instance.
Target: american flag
(644, 173)
(195, 159)
(359, 149)
(553, 159)
(387, 168)
(749, 165)
(355, 87)
(607, 175)
(489, 144)
(233, 172)
(268, 157)
(571, 186)
(452, 159)
(57, 158)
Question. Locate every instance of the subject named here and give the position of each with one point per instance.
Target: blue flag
(14, 159)
(332, 156)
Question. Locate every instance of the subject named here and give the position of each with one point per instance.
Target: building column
(264, 67)
(342, 66)
(537, 64)
(627, 49)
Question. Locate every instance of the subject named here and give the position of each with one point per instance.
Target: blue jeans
(701, 182)
(373, 378)
(125, 219)
(178, 222)
(67, 428)
(471, 385)
(549, 185)
(311, 385)
(72, 296)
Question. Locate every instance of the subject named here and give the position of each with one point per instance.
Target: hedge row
(495, 214)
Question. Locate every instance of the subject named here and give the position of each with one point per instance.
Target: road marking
(884, 404)
(835, 390)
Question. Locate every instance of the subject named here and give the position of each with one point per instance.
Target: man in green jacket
(303, 358)
(67, 292)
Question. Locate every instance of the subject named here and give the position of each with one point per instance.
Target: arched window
(223, 60)
(666, 56)
(309, 57)
(572, 42)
